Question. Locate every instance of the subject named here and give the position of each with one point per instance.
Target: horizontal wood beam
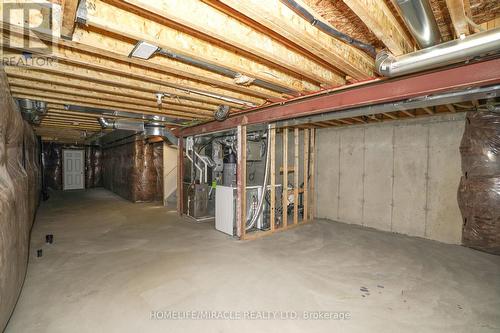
(102, 77)
(457, 13)
(381, 21)
(132, 102)
(80, 58)
(120, 48)
(125, 23)
(106, 103)
(231, 32)
(108, 50)
(137, 92)
(277, 17)
(62, 102)
(68, 17)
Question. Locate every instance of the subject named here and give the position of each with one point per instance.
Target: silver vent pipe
(456, 51)
(32, 111)
(420, 21)
(148, 129)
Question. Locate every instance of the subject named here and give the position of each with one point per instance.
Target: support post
(312, 171)
(272, 216)
(241, 210)
(305, 196)
(296, 177)
(180, 177)
(285, 178)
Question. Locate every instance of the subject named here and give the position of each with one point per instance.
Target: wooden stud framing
(305, 197)
(285, 179)
(272, 212)
(312, 173)
(306, 160)
(296, 177)
(451, 108)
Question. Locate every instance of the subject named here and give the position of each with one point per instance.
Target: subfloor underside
(115, 266)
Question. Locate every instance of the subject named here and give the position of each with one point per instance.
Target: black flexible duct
(301, 11)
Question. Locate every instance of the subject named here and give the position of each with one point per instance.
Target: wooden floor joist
(110, 18)
(277, 17)
(80, 59)
(381, 21)
(147, 104)
(137, 92)
(74, 99)
(230, 32)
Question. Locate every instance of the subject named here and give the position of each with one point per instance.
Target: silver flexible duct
(264, 187)
(452, 52)
(421, 22)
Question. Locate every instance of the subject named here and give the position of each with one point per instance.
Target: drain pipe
(453, 52)
(421, 22)
(327, 29)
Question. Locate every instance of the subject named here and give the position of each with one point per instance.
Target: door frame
(64, 167)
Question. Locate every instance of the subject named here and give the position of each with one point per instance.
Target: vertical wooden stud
(305, 196)
(272, 215)
(312, 172)
(296, 177)
(285, 178)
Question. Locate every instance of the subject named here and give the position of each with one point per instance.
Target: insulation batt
(135, 171)
(53, 164)
(19, 197)
(479, 191)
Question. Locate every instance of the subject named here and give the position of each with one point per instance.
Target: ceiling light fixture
(144, 50)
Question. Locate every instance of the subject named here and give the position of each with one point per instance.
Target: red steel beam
(383, 91)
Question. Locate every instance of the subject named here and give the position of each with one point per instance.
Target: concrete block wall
(399, 176)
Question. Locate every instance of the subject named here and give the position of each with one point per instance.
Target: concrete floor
(113, 263)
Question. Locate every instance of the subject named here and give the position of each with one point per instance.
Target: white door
(73, 169)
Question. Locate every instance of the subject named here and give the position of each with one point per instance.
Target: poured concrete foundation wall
(399, 176)
(19, 193)
(134, 171)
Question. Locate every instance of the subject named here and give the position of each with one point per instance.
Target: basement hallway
(115, 266)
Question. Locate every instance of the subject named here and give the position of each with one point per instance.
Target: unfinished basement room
(250, 166)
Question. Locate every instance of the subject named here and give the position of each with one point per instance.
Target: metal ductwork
(155, 129)
(123, 114)
(32, 111)
(147, 129)
(420, 21)
(456, 51)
